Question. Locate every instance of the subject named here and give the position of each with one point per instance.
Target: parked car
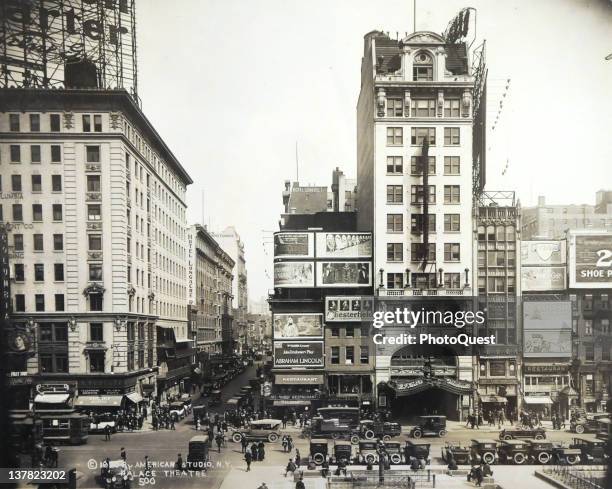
(332, 428)
(343, 450)
(588, 424)
(263, 429)
(418, 450)
(540, 451)
(177, 410)
(214, 398)
(197, 457)
(318, 450)
(514, 452)
(368, 452)
(591, 451)
(459, 453)
(369, 430)
(394, 449)
(484, 450)
(522, 432)
(429, 426)
(566, 455)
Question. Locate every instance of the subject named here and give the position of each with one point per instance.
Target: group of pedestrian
(254, 453)
(531, 419)
(161, 418)
(478, 473)
(287, 443)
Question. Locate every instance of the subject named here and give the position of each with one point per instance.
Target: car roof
(318, 440)
(199, 438)
(484, 440)
(514, 442)
(342, 442)
(432, 416)
(266, 421)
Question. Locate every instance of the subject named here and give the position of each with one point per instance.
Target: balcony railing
(411, 292)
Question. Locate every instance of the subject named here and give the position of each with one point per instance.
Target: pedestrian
(298, 459)
(263, 486)
(107, 433)
(300, 483)
(248, 458)
(172, 427)
(179, 462)
(290, 468)
(325, 468)
(243, 442)
(255, 452)
(261, 450)
(123, 454)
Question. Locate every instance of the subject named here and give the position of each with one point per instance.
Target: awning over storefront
(538, 400)
(288, 402)
(51, 398)
(134, 397)
(491, 399)
(569, 391)
(98, 401)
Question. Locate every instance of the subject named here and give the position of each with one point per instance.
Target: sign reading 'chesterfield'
(298, 354)
(348, 308)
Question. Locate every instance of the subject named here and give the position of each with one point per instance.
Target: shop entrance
(428, 402)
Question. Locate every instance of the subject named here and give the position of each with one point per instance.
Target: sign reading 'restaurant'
(590, 260)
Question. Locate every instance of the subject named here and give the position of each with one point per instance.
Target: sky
(232, 85)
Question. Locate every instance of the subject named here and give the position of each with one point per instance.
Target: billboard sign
(294, 274)
(191, 265)
(547, 315)
(548, 343)
(344, 245)
(344, 274)
(348, 308)
(542, 278)
(590, 260)
(543, 252)
(298, 354)
(293, 245)
(298, 326)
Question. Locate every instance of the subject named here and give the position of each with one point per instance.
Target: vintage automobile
(343, 451)
(262, 429)
(588, 424)
(522, 432)
(514, 452)
(429, 426)
(115, 474)
(368, 452)
(566, 455)
(98, 423)
(369, 430)
(418, 450)
(233, 404)
(484, 450)
(215, 398)
(459, 453)
(540, 451)
(177, 411)
(318, 450)
(394, 449)
(591, 451)
(199, 411)
(197, 457)
(332, 428)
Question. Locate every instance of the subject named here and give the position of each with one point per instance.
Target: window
(349, 332)
(364, 354)
(95, 302)
(395, 223)
(417, 252)
(452, 280)
(56, 153)
(56, 183)
(97, 123)
(35, 122)
(96, 361)
(37, 214)
(93, 154)
(451, 194)
(451, 107)
(395, 136)
(86, 123)
(15, 153)
(417, 194)
(57, 212)
(130, 359)
(58, 272)
(35, 153)
(416, 165)
(58, 242)
(395, 252)
(335, 332)
(18, 242)
(451, 136)
(395, 164)
(16, 183)
(38, 242)
(418, 135)
(96, 332)
(395, 107)
(451, 165)
(335, 355)
(424, 280)
(17, 212)
(424, 107)
(452, 223)
(95, 272)
(589, 354)
(422, 68)
(93, 183)
(605, 326)
(95, 242)
(451, 252)
(39, 302)
(39, 272)
(93, 212)
(395, 194)
(59, 302)
(19, 303)
(416, 223)
(19, 274)
(350, 355)
(14, 122)
(54, 122)
(588, 327)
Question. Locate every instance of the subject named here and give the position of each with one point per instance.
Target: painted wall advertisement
(547, 329)
(590, 260)
(293, 245)
(298, 354)
(294, 274)
(298, 326)
(348, 308)
(543, 253)
(542, 278)
(548, 343)
(344, 274)
(344, 245)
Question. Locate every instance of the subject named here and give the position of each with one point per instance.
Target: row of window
(395, 223)
(395, 252)
(94, 242)
(36, 182)
(19, 302)
(57, 212)
(423, 107)
(349, 355)
(395, 194)
(95, 272)
(90, 123)
(395, 165)
(92, 153)
(395, 136)
(423, 280)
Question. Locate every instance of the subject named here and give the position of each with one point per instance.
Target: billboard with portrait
(548, 343)
(294, 274)
(547, 315)
(301, 354)
(293, 245)
(344, 274)
(298, 326)
(543, 252)
(542, 278)
(344, 245)
(348, 308)
(590, 260)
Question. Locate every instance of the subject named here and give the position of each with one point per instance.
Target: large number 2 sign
(605, 258)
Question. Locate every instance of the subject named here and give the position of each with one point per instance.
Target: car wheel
(579, 429)
(539, 436)
(236, 437)
(442, 433)
(507, 437)
(386, 438)
(417, 434)
(318, 458)
(543, 458)
(396, 458)
(519, 458)
(488, 457)
(272, 437)
(572, 459)
(369, 434)
(369, 458)
(354, 439)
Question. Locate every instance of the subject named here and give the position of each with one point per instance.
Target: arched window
(422, 69)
